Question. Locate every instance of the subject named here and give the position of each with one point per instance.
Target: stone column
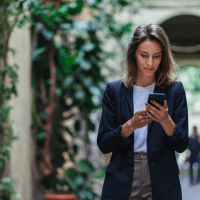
(21, 154)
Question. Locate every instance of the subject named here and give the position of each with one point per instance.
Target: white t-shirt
(140, 97)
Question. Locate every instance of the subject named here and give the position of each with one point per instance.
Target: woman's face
(148, 56)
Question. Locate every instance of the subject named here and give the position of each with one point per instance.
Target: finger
(148, 121)
(150, 107)
(145, 121)
(165, 104)
(142, 111)
(153, 113)
(156, 104)
(151, 116)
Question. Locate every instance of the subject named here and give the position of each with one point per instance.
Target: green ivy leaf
(77, 125)
(69, 61)
(71, 173)
(63, 10)
(41, 135)
(94, 90)
(91, 126)
(79, 56)
(69, 131)
(80, 25)
(75, 148)
(68, 81)
(58, 92)
(79, 95)
(48, 34)
(85, 167)
(85, 194)
(92, 2)
(123, 3)
(85, 65)
(79, 181)
(88, 47)
(66, 26)
(37, 52)
(85, 80)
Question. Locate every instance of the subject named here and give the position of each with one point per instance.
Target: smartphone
(158, 97)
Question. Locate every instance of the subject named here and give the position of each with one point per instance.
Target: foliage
(190, 77)
(68, 84)
(68, 53)
(7, 190)
(78, 180)
(77, 79)
(10, 12)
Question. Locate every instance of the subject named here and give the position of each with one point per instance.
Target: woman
(142, 138)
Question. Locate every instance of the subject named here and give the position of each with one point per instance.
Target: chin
(152, 74)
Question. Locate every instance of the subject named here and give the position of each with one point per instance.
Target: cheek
(158, 63)
(140, 62)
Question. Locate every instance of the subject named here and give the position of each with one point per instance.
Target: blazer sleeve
(109, 137)
(179, 141)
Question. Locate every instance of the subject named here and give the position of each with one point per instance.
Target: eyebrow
(148, 53)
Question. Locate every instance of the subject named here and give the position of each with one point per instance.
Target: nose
(150, 62)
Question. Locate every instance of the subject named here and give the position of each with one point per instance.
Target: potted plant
(59, 197)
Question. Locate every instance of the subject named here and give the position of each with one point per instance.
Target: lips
(148, 69)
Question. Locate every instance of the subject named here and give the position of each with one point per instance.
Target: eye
(144, 56)
(156, 56)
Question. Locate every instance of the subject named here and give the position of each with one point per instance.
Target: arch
(175, 13)
(183, 31)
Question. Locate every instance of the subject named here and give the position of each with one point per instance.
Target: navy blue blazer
(117, 109)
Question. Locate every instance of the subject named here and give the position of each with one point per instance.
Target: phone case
(158, 97)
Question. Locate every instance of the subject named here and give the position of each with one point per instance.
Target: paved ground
(189, 192)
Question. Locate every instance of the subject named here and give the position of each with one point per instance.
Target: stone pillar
(21, 154)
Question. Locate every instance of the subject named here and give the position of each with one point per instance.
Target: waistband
(140, 156)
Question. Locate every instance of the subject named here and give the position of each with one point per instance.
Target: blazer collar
(129, 96)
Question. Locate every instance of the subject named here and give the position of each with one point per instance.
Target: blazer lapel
(157, 89)
(129, 96)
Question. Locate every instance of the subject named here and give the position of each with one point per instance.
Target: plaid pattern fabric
(141, 183)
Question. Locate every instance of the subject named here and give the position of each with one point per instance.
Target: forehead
(149, 46)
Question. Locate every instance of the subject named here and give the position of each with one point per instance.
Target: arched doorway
(183, 32)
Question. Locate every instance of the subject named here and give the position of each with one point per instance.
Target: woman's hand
(139, 120)
(159, 115)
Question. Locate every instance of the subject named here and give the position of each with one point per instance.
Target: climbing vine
(68, 52)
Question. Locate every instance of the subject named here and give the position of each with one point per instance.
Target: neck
(144, 82)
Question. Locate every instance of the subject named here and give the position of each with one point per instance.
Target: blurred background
(56, 57)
